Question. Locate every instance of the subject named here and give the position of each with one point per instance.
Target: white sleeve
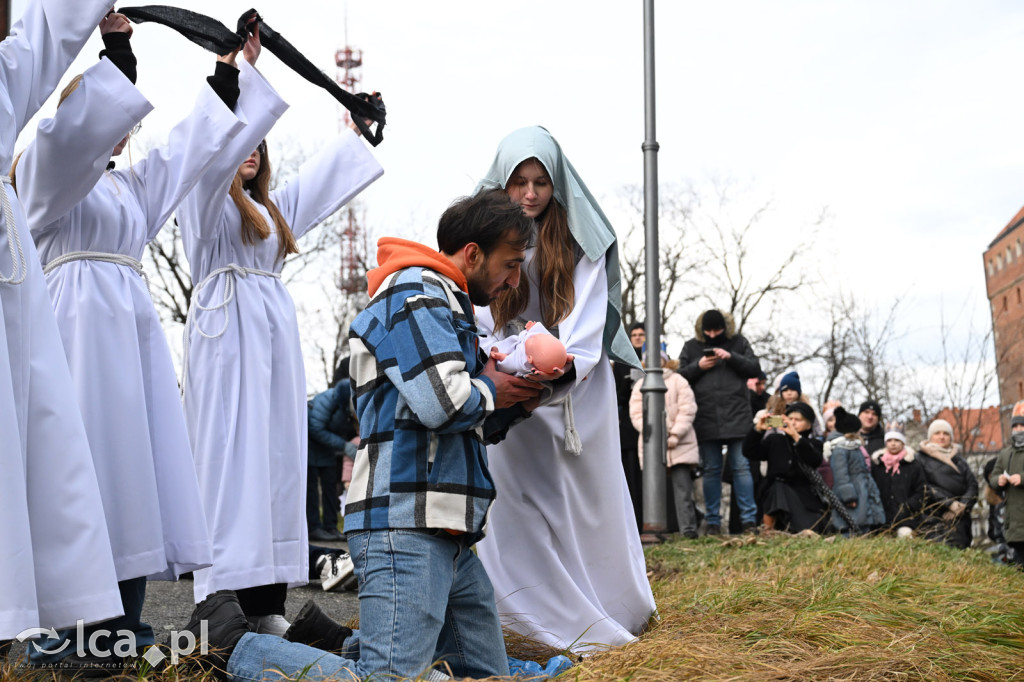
(169, 173)
(582, 331)
(71, 150)
(326, 182)
(259, 107)
(41, 47)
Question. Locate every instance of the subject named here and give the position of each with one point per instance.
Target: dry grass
(788, 608)
(794, 608)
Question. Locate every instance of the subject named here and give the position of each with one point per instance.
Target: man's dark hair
(486, 219)
(637, 325)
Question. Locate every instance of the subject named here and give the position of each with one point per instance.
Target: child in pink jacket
(682, 456)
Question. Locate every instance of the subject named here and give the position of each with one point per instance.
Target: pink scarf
(892, 462)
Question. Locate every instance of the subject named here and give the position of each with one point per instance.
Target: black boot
(226, 623)
(315, 628)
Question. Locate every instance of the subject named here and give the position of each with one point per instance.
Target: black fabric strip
(212, 35)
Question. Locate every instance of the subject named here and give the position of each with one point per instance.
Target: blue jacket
(330, 426)
(852, 482)
(421, 402)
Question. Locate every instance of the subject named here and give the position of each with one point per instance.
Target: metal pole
(653, 390)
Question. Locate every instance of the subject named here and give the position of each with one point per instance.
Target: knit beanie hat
(1018, 414)
(894, 430)
(712, 320)
(790, 381)
(871, 405)
(803, 409)
(939, 425)
(846, 422)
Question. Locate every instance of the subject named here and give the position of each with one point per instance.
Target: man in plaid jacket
(426, 400)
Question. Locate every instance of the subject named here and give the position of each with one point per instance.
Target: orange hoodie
(395, 254)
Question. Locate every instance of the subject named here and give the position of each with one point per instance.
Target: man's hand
(706, 362)
(957, 507)
(508, 389)
(722, 354)
(115, 23)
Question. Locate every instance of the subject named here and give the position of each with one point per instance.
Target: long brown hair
(556, 263)
(254, 225)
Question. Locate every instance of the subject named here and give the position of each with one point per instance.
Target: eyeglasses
(262, 148)
(135, 130)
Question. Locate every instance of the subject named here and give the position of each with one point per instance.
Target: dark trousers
(265, 600)
(634, 481)
(322, 491)
(133, 595)
(1018, 554)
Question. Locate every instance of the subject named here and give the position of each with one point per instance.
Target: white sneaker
(269, 625)
(336, 568)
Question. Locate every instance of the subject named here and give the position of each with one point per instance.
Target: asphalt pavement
(169, 604)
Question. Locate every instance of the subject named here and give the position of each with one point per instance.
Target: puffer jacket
(946, 484)
(852, 482)
(330, 425)
(680, 410)
(722, 396)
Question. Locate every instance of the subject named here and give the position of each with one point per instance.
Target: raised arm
(39, 49)
(326, 182)
(259, 107)
(70, 152)
(170, 172)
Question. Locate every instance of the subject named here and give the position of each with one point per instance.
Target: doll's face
(545, 352)
(530, 187)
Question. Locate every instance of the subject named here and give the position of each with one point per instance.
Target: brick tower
(1004, 280)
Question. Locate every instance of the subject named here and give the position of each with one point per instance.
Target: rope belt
(232, 270)
(19, 266)
(100, 256)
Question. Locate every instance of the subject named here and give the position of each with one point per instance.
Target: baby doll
(534, 351)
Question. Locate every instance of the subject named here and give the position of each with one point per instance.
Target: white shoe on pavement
(336, 569)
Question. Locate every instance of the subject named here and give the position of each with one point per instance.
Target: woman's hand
(253, 46)
(115, 23)
(956, 507)
(1014, 480)
(790, 431)
(230, 58)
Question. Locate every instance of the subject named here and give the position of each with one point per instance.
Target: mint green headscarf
(587, 222)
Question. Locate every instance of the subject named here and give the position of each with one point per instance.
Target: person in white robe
(91, 225)
(562, 547)
(244, 380)
(56, 566)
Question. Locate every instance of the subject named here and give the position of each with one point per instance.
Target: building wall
(1004, 278)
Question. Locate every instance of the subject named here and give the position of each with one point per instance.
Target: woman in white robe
(244, 381)
(562, 548)
(91, 226)
(55, 564)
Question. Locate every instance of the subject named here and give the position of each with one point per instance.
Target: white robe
(562, 549)
(119, 358)
(245, 386)
(55, 560)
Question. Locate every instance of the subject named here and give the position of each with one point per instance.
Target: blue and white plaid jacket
(421, 403)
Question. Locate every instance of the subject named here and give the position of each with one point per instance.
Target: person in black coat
(952, 489)
(717, 363)
(900, 480)
(788, 496)
(871, 431)
(625, 378)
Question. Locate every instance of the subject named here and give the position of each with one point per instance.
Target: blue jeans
(133, 594)
(424, 598)
(742, 483)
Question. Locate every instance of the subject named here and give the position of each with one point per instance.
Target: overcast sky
(901, 117)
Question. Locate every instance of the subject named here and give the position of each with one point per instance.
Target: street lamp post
(653, 389)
